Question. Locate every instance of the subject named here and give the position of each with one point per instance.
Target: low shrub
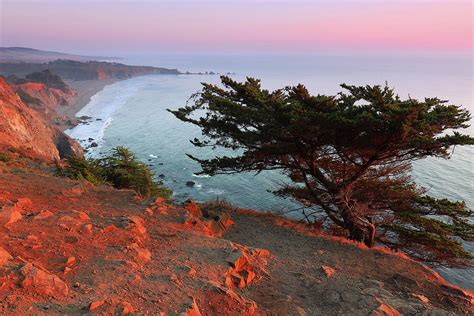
(4, 158)
(121, 169)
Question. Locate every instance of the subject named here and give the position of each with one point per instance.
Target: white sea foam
(201, 175)
(101, 109)
(215, 191)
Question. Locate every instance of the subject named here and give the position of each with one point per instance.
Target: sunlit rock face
(22, 130)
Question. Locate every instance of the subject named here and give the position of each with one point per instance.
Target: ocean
(132, 113)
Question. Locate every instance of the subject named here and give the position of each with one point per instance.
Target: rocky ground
(67, 247)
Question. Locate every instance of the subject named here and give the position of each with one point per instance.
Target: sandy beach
(85, 90)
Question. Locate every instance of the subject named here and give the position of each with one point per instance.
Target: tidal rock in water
(161, 176)
(190, 183)
(94, 144)
(90, 139)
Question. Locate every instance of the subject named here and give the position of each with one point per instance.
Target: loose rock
(4, 256)
(43, 215)
(9, 215)
(42, 282)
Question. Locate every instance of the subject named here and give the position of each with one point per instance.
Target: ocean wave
(215, 191)
(101, 133)
(201, 175)
(101, 109)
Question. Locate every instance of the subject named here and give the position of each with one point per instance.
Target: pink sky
(146, 26)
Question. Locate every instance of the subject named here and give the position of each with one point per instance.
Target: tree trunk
(360, 229)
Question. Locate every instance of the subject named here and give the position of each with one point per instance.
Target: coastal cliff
(91, 70)
(42, 90)
(25, 131)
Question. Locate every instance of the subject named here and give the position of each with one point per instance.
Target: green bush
(4, 158)
(121, 169)
(80, 168)
(28, 99)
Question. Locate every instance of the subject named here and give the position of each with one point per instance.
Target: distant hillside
(75, 70)
(41, 89)
(30, 55)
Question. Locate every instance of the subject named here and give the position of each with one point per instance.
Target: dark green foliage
(48, 78)
(80, 168)
(349, 156)
(4, 158)
(12, 79)
(28, 99)
(122, 170)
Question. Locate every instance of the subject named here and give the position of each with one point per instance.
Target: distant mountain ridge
(31, 55)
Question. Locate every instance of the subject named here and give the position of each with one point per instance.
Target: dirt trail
(361, 278)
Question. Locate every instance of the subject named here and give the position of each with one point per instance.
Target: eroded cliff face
(47, 96)
(24, 131)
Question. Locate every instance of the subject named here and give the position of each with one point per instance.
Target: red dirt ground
(79, 249)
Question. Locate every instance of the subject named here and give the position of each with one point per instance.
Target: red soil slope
(49, 97)
(24, 131)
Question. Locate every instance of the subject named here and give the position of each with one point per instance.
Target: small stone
(422, 298)
(190, 183)
(109, 229)
(5, 196)
(384, 309)
(9, 215)
(328, 271)
(83, 216)
(142, 255)
(192, 272)
(70, 261)
(4, 256)
(86, 229)
(127, 308)
(42, 282)
(43, 215)
(23, 202)
(149, 211)
(137, 224)
(159, 200)
(193, 208)
(96, 304)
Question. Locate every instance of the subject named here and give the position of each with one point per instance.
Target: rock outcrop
(40, 93)
(42, 90)
(24, 131)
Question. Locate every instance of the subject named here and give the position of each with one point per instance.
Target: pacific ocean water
(133, 113)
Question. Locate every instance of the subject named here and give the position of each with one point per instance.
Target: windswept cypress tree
(349, 154)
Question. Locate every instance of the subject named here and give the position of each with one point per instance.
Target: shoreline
(85, 89)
